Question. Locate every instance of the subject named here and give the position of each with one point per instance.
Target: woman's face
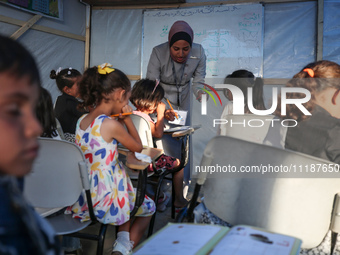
(179, 51)
(19, 127)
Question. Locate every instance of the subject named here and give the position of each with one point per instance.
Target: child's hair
(15, 59)
(244, 79)
(146, 94)
(65, 77)
(94, 86)
(45, 114)
(315, 77)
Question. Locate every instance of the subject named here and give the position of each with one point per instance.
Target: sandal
(179, 209)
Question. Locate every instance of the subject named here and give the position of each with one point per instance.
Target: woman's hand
(169, 115)
(199, 95)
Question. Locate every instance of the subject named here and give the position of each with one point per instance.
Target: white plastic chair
(60, 129)
(247, 127)
(144, 130)
(145, 134)
(299, 207)
(58, 177)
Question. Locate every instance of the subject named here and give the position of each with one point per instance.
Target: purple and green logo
(204, 97)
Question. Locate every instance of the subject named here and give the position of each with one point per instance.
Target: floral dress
(113, 196)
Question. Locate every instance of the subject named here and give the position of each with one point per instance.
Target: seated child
(243, 79)
(321, 78)
(66, 107)
(23, 231)
(107, 90)
(146, 96)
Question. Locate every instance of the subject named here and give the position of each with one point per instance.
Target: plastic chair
(60, 129)
(247, 127)
(58, 177)
(144, 130)
(299, 207)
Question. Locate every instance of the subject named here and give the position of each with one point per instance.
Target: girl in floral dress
(106, 91)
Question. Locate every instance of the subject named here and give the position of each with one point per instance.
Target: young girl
(321, 78)
(23, 231)
(243, 79)
(66, 107)
(146, 96)
(317, 134)
(107, 91)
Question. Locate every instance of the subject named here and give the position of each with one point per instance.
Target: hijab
(180, 30)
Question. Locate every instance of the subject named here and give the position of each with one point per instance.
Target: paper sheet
(178, 238)
(143, 157)
(175, 129)
(246, 240)
(182, 116)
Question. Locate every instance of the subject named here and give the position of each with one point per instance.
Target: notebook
(199, 239)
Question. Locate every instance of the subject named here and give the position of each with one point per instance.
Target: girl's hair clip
(157, 82)
(309, 71)
(58, 70)
(105, 68)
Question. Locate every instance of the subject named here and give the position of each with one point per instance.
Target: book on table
(199, 239)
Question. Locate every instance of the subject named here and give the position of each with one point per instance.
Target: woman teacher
(174, 63)
(180, 66)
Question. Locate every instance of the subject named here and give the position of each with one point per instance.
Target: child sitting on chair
(107, 90)
(23, 231)
(66, 107)
(146, 96)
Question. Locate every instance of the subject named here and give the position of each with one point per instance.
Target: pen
(125, 113)
(172, 108)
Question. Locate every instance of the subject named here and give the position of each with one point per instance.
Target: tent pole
(87, 36)
(319, 45)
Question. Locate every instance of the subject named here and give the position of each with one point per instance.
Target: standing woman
(174, 63)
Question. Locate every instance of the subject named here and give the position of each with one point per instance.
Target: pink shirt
(144, 115)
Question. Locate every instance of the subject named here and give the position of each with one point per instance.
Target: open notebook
(198, 239)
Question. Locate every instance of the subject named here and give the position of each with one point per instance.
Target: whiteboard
(231, 35)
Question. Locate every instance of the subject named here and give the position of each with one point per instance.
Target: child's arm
(115, 129)
(158, 128)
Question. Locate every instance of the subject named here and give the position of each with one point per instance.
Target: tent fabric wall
(116, 37)
(289, 38)
(331, 39)
(50, 50)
